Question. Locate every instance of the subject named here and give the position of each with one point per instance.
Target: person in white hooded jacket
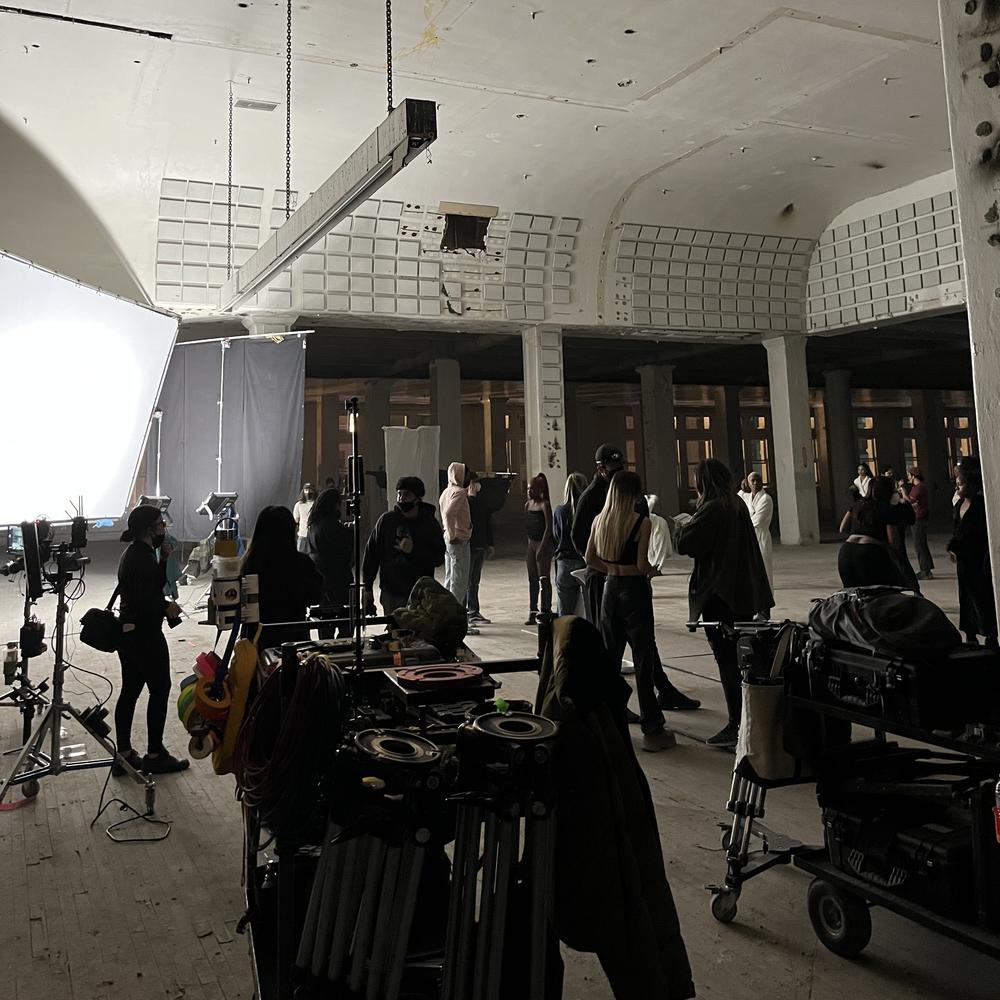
(457, 521)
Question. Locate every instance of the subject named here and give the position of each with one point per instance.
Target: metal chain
(388, 53)
(288, 113)
(229, 192)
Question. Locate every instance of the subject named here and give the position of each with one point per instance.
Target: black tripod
(34, 761)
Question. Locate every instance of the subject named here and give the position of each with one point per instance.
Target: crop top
(630, 548)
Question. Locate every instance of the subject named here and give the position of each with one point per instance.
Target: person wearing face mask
(301, 511)
(142, 648)
(405, 544)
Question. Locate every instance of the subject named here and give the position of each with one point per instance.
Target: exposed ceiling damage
(741, 115)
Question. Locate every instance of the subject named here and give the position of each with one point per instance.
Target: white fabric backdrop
(412, 451)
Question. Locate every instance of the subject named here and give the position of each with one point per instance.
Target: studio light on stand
(35, 762)
(355, 493)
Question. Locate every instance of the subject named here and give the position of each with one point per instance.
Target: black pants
(627, 616)
(593, 594)
(923, 551)
(724, 651)
(145, 662)
(476, 559)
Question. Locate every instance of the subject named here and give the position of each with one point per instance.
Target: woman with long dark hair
(569, 589)
(969, 549)
(867, 559)
(619, 548)
(729, 581)
(331, 547)
(287, 579)
(538, 515)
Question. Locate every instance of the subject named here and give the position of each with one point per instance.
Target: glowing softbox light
(80, 372)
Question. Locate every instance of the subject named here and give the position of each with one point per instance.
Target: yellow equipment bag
(239, 680)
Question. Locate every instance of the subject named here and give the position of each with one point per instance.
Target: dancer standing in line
(538, 512)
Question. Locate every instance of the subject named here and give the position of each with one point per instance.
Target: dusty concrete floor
(86, 918)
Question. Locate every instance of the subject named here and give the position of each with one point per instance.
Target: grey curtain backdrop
(262, 424)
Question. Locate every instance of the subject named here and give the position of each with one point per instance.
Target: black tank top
(630, 550)
(535, 523)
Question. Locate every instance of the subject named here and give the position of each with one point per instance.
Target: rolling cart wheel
(29, 789)
(841, 921)
(726, 840)
(724, 905)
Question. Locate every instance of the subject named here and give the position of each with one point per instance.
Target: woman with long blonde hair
(619, 548)
(569, 590)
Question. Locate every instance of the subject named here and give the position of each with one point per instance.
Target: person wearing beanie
(608, 460)
(142, 648)
(405, 544)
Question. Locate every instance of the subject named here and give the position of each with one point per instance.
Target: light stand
(356, 492)
(41, 764)
(23, 694)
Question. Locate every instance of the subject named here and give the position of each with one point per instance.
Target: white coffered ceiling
(672, 111)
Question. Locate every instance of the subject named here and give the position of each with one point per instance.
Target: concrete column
(932, 450)
(544, 406)
(841, 436)
(375, 415)
(494, 429)
(331, 410)
(572, 429)
(793, 447)
(659, 435)
(446, 408)
(965, 28)
(727, 429)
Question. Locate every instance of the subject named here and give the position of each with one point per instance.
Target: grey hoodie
(454, 505)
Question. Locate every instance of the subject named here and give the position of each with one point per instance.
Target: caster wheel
(724, 906)
(841, 921)
(726, 840)
(30, 789)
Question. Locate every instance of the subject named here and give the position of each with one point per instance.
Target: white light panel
(82, 371)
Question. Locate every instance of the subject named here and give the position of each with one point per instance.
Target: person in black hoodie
(480, 548)
(729, 582)
(609, 460)
(405, 544)
(142, 649)
(331, 547)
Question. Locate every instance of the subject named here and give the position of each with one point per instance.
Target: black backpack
(885, 620)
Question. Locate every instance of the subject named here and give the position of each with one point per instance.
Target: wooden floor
(88, 919)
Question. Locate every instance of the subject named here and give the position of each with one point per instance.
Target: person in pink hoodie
(457, 521)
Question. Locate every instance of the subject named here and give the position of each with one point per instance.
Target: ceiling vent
(245, 102)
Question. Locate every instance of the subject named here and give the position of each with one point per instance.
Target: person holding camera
(142, 648)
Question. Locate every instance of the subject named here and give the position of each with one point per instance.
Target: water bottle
(10, 662)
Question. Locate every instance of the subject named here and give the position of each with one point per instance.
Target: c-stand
(34, 762)
(356, 492)
(22, 694)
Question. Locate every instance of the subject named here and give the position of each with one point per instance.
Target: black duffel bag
(100, 627)
(886, 620)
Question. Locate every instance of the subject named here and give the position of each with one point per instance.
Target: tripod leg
(30, 750)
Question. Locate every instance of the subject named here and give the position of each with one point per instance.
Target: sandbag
(885, 620)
